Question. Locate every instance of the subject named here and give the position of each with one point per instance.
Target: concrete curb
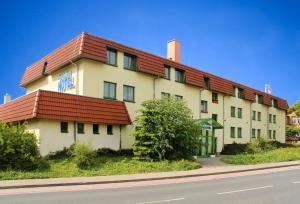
(143, 179)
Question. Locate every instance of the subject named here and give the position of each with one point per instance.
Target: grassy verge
(277, 155)
(106, 165)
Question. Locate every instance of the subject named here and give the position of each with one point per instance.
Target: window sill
(110, 134)
(203, 111)
(128, 101)
(96, 133)
(215, 101)
(80, 132)
(64, 132)
(134, 69)
(182, 82)
(108, 98)
(114, 65)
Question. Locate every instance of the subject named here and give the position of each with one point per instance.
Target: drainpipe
(77, 76)
(223, 121)
(200, 96)
(251, 121)
(75, 136)
(120, 145)
(154, 86)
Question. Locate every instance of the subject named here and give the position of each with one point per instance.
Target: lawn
(277, 155)
(105, 165)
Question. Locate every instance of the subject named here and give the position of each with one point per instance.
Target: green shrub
(110, 152)
(18, 148)
(165, 129)
(84, 155)
(67, 152)
(258, 145)
(234, 148)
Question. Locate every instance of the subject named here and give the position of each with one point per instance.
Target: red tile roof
(94, 47)
(66, 107)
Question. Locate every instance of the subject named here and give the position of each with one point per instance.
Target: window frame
(214, 97)
(274, 135)
(270, 118)
(183, 76)
(133, 95)
(61, 127)
(253, 115)
(207, 82)
(109, 129)
(258, 133)
(240, 113)
(96, 132)
(178, 97)
(212, 117)
(115, 90)
(232, 132)
(80, 130)
(253, 134)
(111, 50)
(270, 134)
(204, 106)
(232, 111)
(133, 59)
(274, 119)
(164, 95)
(239, 132)
(168, 68)
(260, 99)
(241, 93)
(258, 116)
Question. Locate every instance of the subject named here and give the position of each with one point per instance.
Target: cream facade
(89, 77)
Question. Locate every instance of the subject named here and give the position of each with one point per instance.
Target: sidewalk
(211, 166)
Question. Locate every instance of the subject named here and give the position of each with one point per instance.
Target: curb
(145, 179)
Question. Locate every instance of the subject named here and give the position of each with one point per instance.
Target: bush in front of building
(234, 148)
(84, 155)
(19, 149)
(165, 130)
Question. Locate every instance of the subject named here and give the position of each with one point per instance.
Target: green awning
(209, 122)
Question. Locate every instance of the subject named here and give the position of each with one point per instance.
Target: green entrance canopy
(209, 122)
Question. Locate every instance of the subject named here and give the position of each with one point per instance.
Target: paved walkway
(211, 166)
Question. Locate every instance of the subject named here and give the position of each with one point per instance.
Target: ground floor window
(109, 129)
(270, 134)
(95, 128)
(274, 134)
(258, 132)
(64, 127)
(253, 133)
(80, 128)
(239, 132)
(232, 132)
(204, 106)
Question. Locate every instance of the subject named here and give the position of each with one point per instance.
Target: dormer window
(260, 99)
(130, 61)
(241, 94)
(207, 82)
(111, 55)
(167, 72)
(275, 103)
(179, 75)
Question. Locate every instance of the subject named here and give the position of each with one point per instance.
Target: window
(214, 97)
(274, 134)
(259, 116)
(239, 134)
(109, 129)
(207, 82)
(258, 133)
(253, 133)
(270, 134)
(260, 99)
(111, 56)
(165, 95)
(233, 111)
(214, 117)
(241, 93)
(232, 132)
(128, 93)
(179, 75)
(109, 90)
(80, 128)
(167, 72)
(64, 127)
(270, 118)
(177, 97)
(95, 128)
(274, 118)
(240, 112)
(129, 62)
(253, 115)
(275, 103)
(204, 106)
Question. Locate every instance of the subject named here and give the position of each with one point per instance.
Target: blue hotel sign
(65, 81)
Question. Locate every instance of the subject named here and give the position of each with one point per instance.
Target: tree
(165, 129)
(292, 131)
(295, 108)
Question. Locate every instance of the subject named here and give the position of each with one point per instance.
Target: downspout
(77, 76)
(75, 136)
(223, 121)
(251, 111)
(154, 86)
(120, 144)
(200, 97)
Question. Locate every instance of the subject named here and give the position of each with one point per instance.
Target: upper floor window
(253, 133)
(274, 118)
(241, 93)
(179, 75)
(165, 95)
(260, 99)
(110, 90)
(259, 116)
(240, 112)
(253, 115)
(204, 106)
(130, 61)
(95, 128)
(80, 128)
(258, 133)
(214, 117)
(270, 118)
(207, 82)
(167, 72)
(275, 103)
(214, 97)
(128, 93)
(232, 111)
(177, 97)
(111, 56)
(109, 129)
(270, 134)
(64, 127)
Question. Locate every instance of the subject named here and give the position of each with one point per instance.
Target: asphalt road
(276, 188)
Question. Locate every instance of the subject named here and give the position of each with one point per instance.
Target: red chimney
(173, 50)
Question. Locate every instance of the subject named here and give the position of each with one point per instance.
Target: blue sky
(251, 42)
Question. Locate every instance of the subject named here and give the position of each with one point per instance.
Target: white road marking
(162, 201)
(296, 182)
(243, 190)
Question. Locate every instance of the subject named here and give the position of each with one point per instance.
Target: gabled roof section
(66, 107)
(93, 47)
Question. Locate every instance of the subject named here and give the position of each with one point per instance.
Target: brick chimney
(173, 50)
(7, 98)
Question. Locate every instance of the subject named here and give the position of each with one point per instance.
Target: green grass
(105, 165)
(277, 155)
